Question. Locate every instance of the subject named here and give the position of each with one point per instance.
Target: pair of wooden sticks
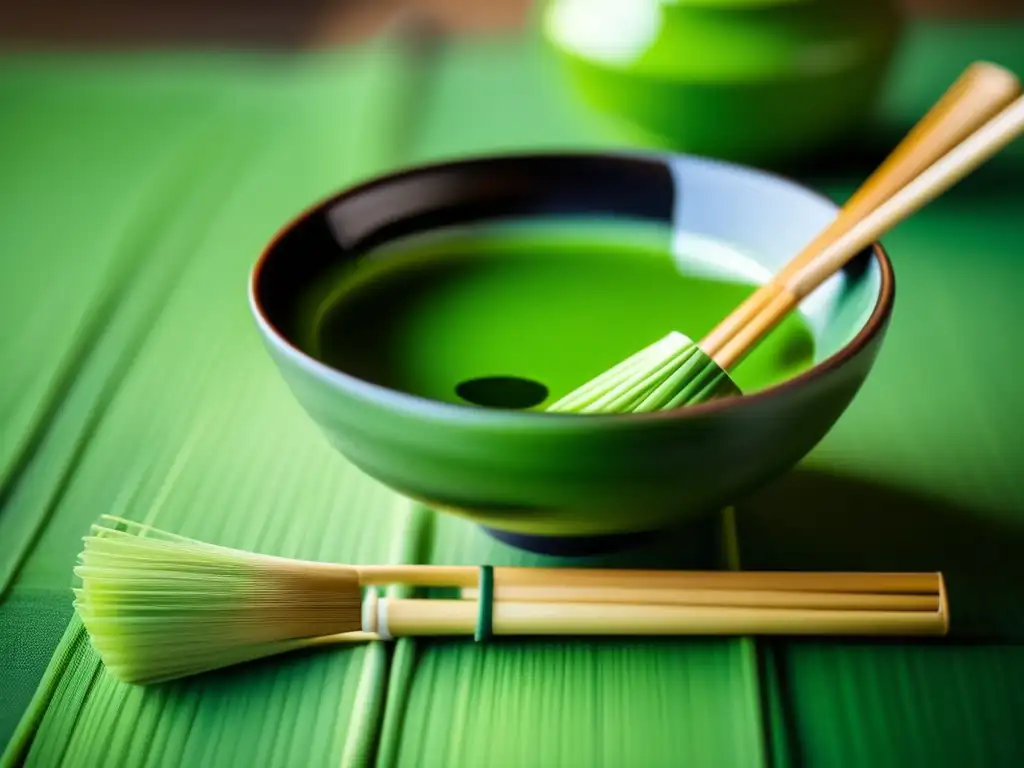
(972, 121)
(633, 602)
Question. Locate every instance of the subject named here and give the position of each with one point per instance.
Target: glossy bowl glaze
(753, 81)
(562, 482)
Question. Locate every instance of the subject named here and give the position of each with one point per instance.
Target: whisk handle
(976, 96)
(932, 182)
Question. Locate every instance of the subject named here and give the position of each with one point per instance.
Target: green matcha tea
(520, 318)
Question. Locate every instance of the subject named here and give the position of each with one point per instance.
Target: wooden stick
(459, 617)
(953, 166)
(850, 601)
(468, 576)
(978, 94)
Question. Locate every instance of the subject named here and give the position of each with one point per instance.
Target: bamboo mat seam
(752, 651)
(413, 545)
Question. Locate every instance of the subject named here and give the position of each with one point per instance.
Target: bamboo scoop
(674, 371)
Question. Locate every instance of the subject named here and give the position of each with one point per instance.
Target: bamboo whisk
(675, 371)
(158, 606)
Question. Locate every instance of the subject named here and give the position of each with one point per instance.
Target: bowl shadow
(850, 161)
(814, 520)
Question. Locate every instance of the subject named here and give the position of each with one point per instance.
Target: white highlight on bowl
(612, 31)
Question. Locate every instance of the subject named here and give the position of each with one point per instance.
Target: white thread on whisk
(370, 612)
(382, 620)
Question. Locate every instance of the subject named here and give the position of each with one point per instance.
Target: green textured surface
(139, 387)
(182, 416)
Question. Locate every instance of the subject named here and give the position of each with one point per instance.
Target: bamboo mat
(139, 387)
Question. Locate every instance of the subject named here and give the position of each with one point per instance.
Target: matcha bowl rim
(474, 169)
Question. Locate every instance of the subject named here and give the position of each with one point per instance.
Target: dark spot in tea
(502, 392)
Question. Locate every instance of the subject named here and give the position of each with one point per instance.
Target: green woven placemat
(196, 430)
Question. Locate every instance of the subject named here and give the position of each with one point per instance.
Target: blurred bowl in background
(754, 81)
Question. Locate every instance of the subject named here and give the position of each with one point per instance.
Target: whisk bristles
(158, 606)
(670, 373)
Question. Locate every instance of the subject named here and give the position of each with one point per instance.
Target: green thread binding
(485, 603)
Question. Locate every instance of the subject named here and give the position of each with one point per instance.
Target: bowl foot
(573, 546)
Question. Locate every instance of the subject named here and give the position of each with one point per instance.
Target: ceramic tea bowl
(564, 482)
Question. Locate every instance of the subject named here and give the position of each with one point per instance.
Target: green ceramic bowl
(754, 81)
(397, 307)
